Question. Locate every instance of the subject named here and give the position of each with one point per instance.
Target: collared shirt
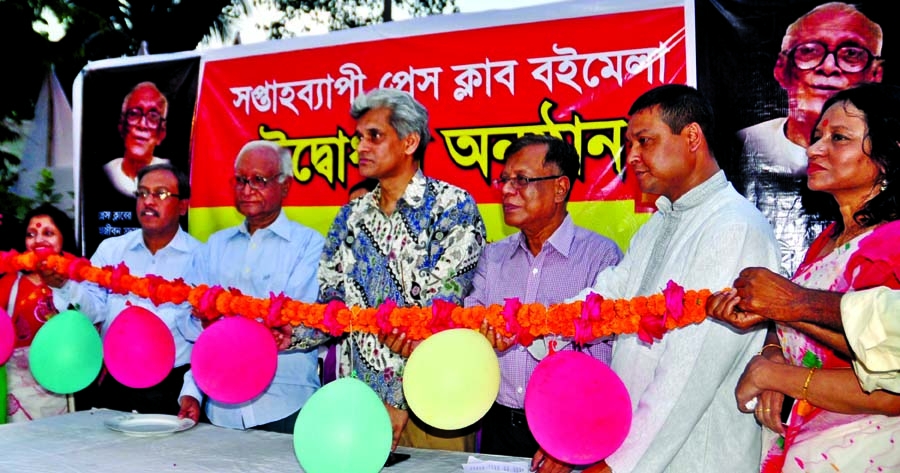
(102, 306)
(282, 257)
(873, 331)
(682, 387)
(568, 262)
(426, 249)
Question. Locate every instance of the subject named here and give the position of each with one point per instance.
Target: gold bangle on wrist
(769, 345)
(804, 394)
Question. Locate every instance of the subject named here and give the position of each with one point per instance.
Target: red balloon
(7, 337)
(138, 348)
(577, 408)
(234, 360)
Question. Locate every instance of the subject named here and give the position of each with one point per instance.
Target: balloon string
(352, 344)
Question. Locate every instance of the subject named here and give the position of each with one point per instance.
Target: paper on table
(476, 464)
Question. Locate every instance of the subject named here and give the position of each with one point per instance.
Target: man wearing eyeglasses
(831, 48)
(142, 126)
(161, 248)
(547, 262)
(412, 240)
(266, 254)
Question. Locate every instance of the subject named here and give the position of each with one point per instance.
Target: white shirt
(283, 257)
(122, 183)
(872, 326)
(774, 151)
(169, 262)
(682, 387)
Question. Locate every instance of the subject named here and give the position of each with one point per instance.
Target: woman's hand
(749, 387)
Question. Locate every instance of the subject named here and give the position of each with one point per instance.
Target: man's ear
(161, 133)
(781, 73)
(183, 206)
(411, 143)
(123, 128)
(561, 189)
(877, 70)
(286, 186)
(694, 135)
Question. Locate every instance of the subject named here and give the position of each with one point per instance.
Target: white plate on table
(148, 425)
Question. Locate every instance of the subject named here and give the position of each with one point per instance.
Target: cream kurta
(682, 387)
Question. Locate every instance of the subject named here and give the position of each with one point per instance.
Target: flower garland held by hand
(647, 316)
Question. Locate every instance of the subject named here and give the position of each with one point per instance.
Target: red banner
(483, 82)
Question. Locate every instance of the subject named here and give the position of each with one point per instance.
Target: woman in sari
(30, 304)
(834, 425)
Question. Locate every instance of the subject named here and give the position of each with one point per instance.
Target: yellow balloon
(452, 379)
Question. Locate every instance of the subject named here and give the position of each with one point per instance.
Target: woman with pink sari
(834, 425)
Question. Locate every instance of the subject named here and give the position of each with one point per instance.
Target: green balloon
(344, 427)
(66, 353)
(3, 393)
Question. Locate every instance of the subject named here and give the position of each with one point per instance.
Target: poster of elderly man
(777, 66)
(132, 116)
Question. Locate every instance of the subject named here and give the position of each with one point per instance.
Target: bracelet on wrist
(804, 393)
(769, 345)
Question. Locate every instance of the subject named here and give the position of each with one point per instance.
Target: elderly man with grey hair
(831, 48)
(265, 254)
(412, 240)
(142, 126)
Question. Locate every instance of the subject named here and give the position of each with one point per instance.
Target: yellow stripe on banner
(207, 220)
(616, 220)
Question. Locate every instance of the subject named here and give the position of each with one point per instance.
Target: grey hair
(163, 101)
(407, 114)
(286, 161)
(835, 8)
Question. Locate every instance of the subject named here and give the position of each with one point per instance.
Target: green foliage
(45, 189)
(12, 206)
(341, 14)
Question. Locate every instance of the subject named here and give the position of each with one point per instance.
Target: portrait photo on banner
(769, 67)
(132, 116)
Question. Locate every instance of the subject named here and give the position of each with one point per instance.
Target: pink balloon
(234, 360)
(7, 337)
(138, 348)
(577, 408)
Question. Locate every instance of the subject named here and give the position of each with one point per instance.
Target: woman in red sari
(30, 304)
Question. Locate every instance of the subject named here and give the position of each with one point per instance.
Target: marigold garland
(647, 316)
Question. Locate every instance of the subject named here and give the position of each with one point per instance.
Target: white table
(80, 443)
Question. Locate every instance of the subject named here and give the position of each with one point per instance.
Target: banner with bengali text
(569, 70)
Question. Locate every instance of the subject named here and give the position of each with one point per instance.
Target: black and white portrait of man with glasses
(830, 48)
(142, 126)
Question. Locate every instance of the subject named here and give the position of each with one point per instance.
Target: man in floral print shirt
(411, 240)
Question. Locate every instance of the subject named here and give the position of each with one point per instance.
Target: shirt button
(519, 390)
(521, 348)
(534, 271)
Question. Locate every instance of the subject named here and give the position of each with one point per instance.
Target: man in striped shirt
(548, 261)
